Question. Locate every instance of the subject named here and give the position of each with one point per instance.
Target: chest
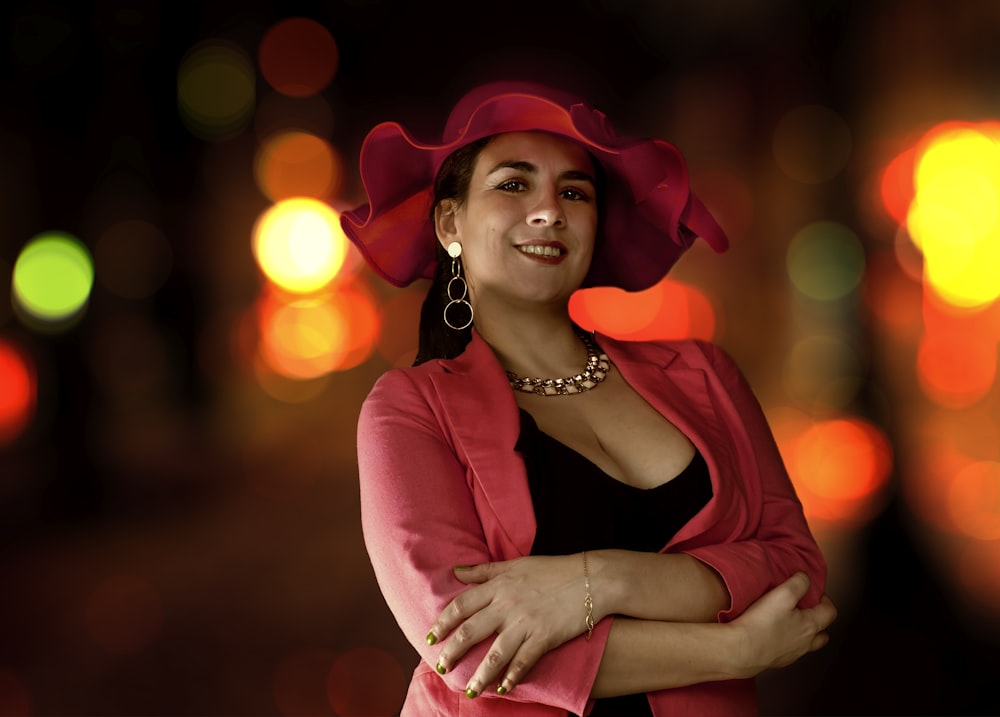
(616, 429)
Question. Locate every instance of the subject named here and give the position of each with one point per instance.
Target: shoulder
(398, 385)
(692, 352)
(400, 399)
(427, 385)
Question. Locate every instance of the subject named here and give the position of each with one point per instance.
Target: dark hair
(435, 339)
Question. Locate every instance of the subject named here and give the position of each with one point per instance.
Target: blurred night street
(179, 514)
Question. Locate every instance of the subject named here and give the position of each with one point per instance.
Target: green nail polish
(471, 694)
(440, 669)
(501, 690)
(431, 638)
(463, 567)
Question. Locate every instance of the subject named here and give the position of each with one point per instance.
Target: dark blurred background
(178, 487)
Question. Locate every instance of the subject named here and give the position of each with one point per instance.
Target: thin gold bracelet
(588, 603)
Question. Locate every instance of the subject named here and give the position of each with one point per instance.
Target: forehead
(537, 148)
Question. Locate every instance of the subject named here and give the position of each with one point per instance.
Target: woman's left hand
(533, 604)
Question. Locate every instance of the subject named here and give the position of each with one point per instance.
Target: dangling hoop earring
(455, 251)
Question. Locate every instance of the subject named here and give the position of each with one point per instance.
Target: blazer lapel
(684, 396)
(484, 422)
(680, 393)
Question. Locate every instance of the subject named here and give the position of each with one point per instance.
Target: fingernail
(440, 669)
(463, 567)
(471, 693)
(431, 638)
(501, 690)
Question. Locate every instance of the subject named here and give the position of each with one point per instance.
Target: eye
(576, 195)
(512, 185)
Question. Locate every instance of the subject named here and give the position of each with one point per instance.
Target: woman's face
(528, 224)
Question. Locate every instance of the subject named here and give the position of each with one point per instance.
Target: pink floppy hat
(651, 216)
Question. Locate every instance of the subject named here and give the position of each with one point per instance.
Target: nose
(547, 212)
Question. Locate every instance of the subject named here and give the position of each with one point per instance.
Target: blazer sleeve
(419, 520)
(774, 540)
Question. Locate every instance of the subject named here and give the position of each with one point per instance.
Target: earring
(457, 284)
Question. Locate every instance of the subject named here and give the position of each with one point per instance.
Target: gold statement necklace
(596, 370)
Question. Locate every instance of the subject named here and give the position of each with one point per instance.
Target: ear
(446, 224)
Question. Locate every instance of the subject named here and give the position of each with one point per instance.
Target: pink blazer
(441, 485)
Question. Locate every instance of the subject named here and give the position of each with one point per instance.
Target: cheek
(588, 227)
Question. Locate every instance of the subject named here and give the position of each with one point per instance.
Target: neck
(535, 343)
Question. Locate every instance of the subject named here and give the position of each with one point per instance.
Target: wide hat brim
(651, 216)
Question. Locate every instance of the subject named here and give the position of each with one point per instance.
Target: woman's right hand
(774, 632)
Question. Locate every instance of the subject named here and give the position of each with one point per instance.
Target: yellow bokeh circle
(299, 245)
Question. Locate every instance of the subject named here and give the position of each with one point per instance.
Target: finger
(482, 572)
(518, 668)
(468, 634)
(799, 582)
(504, 665)
(819, 641)
(822, 614)
(795, 587)
(490, 670)
(463, 606)
(827, 610)
(471, 574)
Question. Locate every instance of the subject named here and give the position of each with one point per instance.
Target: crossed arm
(670, 639)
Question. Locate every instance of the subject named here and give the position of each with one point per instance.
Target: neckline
(689, 470)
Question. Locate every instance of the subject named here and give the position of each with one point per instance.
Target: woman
(618, 537)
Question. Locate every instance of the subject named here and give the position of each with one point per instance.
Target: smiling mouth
(541, 250)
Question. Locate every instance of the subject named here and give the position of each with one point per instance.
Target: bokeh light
(133, 259)
(908, 256)
(974, 500)
(940, 316)
(303, 338)
(307, 337)
(897, 184)
(18, 391)
(216, 90)
(667, 310)
(955, 215)
(53, 277)
(366, 682)
(124, 614)
(812, 144)
(945, 444)
(298, 57)
(825, 261)
(287, 389)
(299, 244)
(956, 369)
(840, 467)
(298, 164)
(364, 324)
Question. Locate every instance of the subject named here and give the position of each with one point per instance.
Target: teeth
(540, 250)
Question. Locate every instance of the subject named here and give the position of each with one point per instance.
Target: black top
(580, 507)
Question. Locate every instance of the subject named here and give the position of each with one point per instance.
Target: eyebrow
(529, 168)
